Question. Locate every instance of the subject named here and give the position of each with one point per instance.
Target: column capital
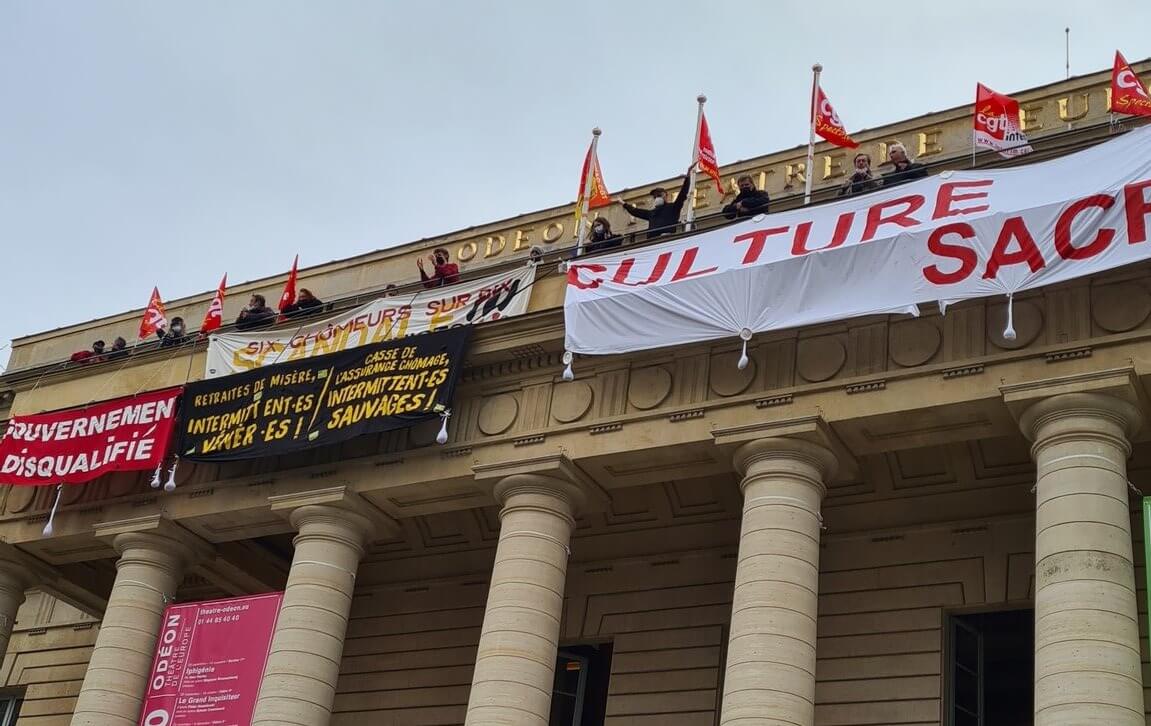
(1082, 415)
(154, 539)
(553, 475)
(769, 455)
(338, 510)
(1113, 394)
(808, 438)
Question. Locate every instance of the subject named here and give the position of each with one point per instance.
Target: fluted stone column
(515, 665)
(770, 673)
(299, 683)
(1087, 667)
(150, 568)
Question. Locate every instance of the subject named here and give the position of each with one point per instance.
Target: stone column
(17, 574)
(515, 665)
(152, 562)
(770, 673)
(300, 679)
(1086, 614)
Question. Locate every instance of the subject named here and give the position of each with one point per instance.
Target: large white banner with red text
(951, 237)
(209, 662)
(388, 318)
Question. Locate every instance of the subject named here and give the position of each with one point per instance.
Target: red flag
(997, 123)
(705, 153)
(215, 315)
(1128, 94)
(827, 123)
(597, 195)
(154, 316)
(289, 295)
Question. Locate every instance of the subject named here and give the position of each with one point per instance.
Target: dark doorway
(579, 696)
(991, 669)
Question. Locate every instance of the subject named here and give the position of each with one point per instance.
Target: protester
(749, 202)
(663, 217)
(862, 179)
(96, 355)
(444, 272)
(306, 304)
(119, 349)
(906, 170)
(390, 290)
(176, 334)
(256, 315)
(601, 237)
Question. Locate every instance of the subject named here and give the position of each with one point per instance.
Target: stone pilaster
(1087, 668)
(299, 683)
(515, 665)
(154, 555)
(18, 572)
(770, 672)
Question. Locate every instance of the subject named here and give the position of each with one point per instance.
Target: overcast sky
(163, 143)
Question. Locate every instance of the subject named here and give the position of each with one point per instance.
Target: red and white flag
(289, 295)
(592, 189)
(214, 318)
(996, 123)
(154, 316)
(705, 153)
(827, 123)
(1128, 94)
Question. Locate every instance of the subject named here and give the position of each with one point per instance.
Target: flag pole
(808, 170)
(700, 99)
(581, 224)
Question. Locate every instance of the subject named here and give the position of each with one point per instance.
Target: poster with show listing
(210, 660)
(324, 400)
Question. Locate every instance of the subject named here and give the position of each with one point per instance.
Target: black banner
(287, 407)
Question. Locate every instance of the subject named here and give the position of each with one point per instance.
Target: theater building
(879, 520)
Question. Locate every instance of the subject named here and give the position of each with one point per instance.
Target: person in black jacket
(306, 304)
(906, 170)
(862, 179)
(256, 315)
(176, 334)
(663, 217)
(601, 238)
(749, 202)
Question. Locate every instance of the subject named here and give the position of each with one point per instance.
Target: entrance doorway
(579, 695)
(991, 669)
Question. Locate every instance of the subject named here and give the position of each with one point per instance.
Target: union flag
(827, 123)
(289, 295)
(593, 189)
(214, 318)
(154, 316)
(1128, 94)
(996, 123)
(705, 153)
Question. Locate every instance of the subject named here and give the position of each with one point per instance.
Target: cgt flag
(996, 123)
(289, 295)
(591, 186)
(827, 123)
(1128, 94)
(154, 316)
(705, 153)
(214, 318)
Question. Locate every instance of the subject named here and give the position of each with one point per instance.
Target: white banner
(464, 303)
(951, 237)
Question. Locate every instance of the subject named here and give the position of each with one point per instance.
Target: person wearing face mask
(749, 202)
(862, 178)
(444, 271)
(663, 217)
(256, 315)
(906, 170)
(174, 335)
(601, 238)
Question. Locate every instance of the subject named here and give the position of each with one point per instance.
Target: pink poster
(210, 659)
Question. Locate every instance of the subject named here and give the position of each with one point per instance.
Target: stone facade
(778, 544)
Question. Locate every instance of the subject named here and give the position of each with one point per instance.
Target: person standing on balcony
(256, 315)
(602, 238)
(906, 170)
(444, 271)
(749, 202)
(862, 179)
(663, 217)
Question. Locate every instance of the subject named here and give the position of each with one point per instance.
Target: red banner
(996, 123)
(705, 151)
(209, 662)
(597, 195)
(80, 444)
(1128, 94)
